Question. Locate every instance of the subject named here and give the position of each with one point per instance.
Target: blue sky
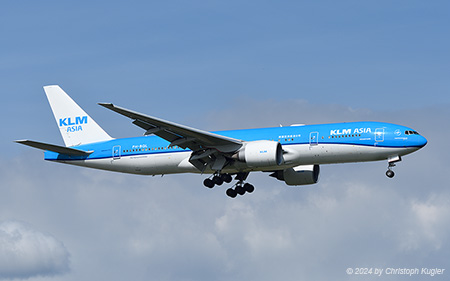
(225, 65)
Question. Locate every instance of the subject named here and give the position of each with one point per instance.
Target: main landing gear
(241, 187)
(391, 161)
(217, 179)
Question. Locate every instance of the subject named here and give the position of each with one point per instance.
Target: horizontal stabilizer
(55, 148)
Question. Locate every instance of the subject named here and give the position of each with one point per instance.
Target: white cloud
(429, 223)
(26, 252)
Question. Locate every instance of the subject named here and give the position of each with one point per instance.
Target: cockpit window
(411, 133)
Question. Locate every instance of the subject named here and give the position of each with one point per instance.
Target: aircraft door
(379, 134)
(313, 138)
(116, 152)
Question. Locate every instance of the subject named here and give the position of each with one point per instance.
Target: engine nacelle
(300, 175)
(261, 154)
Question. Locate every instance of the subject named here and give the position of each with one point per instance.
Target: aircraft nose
(422, 141)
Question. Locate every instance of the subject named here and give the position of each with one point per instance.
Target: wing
(207, 147)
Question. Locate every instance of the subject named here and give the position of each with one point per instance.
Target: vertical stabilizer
(76, 126)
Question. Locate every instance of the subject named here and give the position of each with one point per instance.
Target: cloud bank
(26, 252)
(122, 227)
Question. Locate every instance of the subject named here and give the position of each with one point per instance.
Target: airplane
(292, 154)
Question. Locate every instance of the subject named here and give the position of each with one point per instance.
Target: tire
(249, 188)
(231, 193)
(217, 180)
(390, 173)
(208, 183)
(226, 178)
(240, 190)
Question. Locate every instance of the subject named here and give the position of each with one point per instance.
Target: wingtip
(106, 104)
(20, 141)
(51, 86)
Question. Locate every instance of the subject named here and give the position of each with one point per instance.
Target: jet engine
(261, 154)
(300, 175)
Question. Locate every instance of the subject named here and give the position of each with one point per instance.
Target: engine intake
(300, 175)
(261, 154)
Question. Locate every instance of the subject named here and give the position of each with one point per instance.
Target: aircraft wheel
(231, 193)
(226, 178)
(208, 183)
(217, 180)
(249, 188)
(240, 190)
(390, 174)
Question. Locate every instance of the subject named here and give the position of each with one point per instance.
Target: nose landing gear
(392, 160)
